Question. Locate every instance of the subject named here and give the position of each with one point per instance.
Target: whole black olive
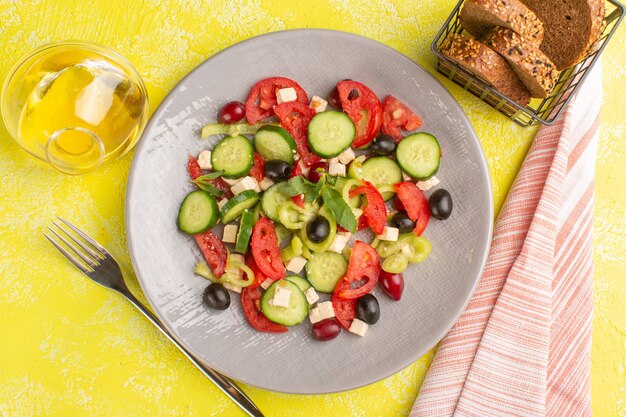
(402, 222)
(318, 229)
(216, 296)
(440, 204)
(367, 309)
(384, 145)
(278, 170)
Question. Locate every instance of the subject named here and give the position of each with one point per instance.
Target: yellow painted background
(71, 348)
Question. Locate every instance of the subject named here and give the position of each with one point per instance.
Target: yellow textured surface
(71, 348)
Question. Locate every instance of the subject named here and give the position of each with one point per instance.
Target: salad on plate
(320, 200)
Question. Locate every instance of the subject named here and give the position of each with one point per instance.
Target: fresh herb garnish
(339, 209)
(314, 195)
(295, 186)
(204, 183)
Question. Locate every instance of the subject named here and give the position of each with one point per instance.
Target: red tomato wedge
(396, 116)
(364, 109)
(251, 305)
(415, 204)
(375, 210)
(345, 310)
(213, 251)
(262, 98)
(265, 249)
(295, 118)
(298, 200)
(364, 265)
(259, 277)
(258, 168)
(195, 171)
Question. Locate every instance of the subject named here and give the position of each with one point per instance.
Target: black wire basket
(544, 111)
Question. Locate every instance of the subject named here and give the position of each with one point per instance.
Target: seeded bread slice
(478, 17)
(572, 28)
(486, 64)
(532, 66)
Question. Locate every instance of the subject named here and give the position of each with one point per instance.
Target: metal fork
(98, 264)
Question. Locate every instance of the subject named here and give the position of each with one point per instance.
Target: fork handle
(222, 382)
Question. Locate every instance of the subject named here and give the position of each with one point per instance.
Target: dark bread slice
(478, 59)
(572, 28)
(478, 17)
(533, 67)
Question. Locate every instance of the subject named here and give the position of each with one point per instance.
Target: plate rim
(482, 163)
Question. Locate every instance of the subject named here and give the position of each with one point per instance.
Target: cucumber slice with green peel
(233, 156)
(355, 168)
(236, 205)
(281, 232)
(380, 171)
(272, 200)
(325, 270)
(302, 283)
(198, 212)
(418, 155)
(245, 231)
(330, 133)
(274, 142)
(296, 311)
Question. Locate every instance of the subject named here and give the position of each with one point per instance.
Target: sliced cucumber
(381, 171)
(296, 311)
(281, 232)
(236, 205)
(233, 156)
(325, 270)
(197, 213)
(330, 133)
(354, 170)
(274, 142)
(418, 155)
(302, 283)
(245, 231)
(272, 200)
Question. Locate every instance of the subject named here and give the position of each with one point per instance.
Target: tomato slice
(195, 171)
(396, 116)
(415, 204)
(251, 305)
(364, 109)
(262, 98)
(295, 118)
(345, 310)
(362, 223)
(375, 210)
(258, 168)
(265, 249)
(213, 251)
(299, 200)
(363, 269)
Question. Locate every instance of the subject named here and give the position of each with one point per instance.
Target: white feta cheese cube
(296, 264)
(326, 310)
(318, 104)
(336, 168)
(281, 296)
(266, 284)
(358, 327)
(303, 168)
(406, 177)
(314, 315)
(311, 295)
(266, 183)
(428, 184)
(390, 234)
(230, 233)
(230, 181)
(339, 243)
(246, 183)
(346, 156)
(222, 203)
(204, 160)
(286, 94)
(232, 287)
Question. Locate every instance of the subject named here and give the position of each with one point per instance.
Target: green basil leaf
(339, 209)
(209, 188)
(296, 185)
(313, 195)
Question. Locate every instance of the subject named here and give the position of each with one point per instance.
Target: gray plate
(436, 291)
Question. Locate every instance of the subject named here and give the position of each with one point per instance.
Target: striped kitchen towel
(522, 347)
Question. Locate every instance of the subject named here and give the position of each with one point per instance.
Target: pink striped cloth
(523, 345)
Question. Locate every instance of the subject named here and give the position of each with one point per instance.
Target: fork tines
(84, 252)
